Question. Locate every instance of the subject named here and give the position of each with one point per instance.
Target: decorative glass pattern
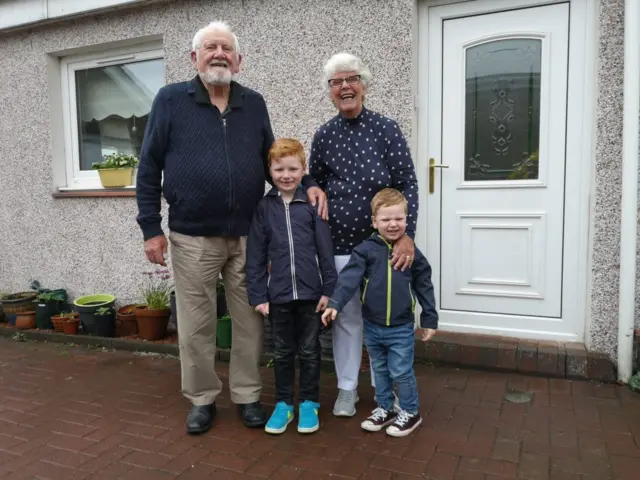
(502, 110)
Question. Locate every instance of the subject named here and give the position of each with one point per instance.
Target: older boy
(288, 236)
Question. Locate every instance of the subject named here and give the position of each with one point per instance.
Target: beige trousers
(197, 263)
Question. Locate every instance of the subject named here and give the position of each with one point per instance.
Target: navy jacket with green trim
(388, 295)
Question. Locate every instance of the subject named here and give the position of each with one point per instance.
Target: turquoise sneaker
(308, 417)
(280, 418)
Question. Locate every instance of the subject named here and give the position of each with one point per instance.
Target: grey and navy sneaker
(378, 419)
(345, 405)
(404, 424)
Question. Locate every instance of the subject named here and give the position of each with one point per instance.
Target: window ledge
(95, 192)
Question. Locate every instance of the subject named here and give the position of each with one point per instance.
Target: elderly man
(210, 136)
(353, 156)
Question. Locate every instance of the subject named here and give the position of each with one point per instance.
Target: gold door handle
(432, 173)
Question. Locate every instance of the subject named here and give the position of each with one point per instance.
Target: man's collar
(201, 94)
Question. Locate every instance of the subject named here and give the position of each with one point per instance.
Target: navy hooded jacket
(388, 295)
(296, 243)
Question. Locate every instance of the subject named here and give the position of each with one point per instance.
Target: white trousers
(347, 338)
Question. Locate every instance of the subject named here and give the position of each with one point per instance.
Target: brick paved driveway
(72, 413)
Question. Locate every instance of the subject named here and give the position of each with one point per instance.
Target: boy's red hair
(285, 147)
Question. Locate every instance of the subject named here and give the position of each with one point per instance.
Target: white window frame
(77, 179)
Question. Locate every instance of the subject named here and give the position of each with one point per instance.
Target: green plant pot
(93, 302)
(223, 332)
(86, 307)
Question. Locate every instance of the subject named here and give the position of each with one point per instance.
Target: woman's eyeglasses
(337, 82)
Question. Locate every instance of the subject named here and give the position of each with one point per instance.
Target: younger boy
(290, 276)
(388, 298)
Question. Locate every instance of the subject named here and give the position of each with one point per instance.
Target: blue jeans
(390, 352)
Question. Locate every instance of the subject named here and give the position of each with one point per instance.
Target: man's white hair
(214, 27)
(346, 62)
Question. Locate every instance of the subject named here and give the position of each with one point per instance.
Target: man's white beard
(216, 76)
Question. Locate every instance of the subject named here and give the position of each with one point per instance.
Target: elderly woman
(353, 156)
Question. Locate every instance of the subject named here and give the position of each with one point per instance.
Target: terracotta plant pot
(26, 320)
(126, 323)
(70, 327)
(152, 324)
(58, 321)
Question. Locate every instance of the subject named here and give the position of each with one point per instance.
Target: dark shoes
(200, 418)
(253, 415)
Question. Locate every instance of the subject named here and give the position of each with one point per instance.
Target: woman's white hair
(214, 27)
(346, 62)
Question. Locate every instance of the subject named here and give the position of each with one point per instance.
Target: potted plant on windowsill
(153, 317)
(116, 170)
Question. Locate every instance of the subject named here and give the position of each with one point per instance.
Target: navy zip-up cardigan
(214, 164)
(296, 242)
(388, 295)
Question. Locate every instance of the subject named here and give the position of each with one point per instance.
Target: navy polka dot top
(353, 159)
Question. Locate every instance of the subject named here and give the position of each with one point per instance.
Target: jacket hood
(378, 240)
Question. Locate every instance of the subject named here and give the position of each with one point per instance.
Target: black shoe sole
(259, 424)
(200, 430)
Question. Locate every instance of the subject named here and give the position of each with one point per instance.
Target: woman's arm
(403, 172)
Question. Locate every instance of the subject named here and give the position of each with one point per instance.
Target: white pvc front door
(501, 120)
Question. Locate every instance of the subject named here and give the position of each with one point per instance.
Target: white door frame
(580, 155)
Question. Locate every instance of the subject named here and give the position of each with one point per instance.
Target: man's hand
(329, 315)
(317, 196)
(263, 308)
(403, 253)
(322, 304)
(155, 249)
(427, 334)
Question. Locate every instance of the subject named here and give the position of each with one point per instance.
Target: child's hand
(322, 304)
(263, 308)
(329, 315)
(427, 334)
